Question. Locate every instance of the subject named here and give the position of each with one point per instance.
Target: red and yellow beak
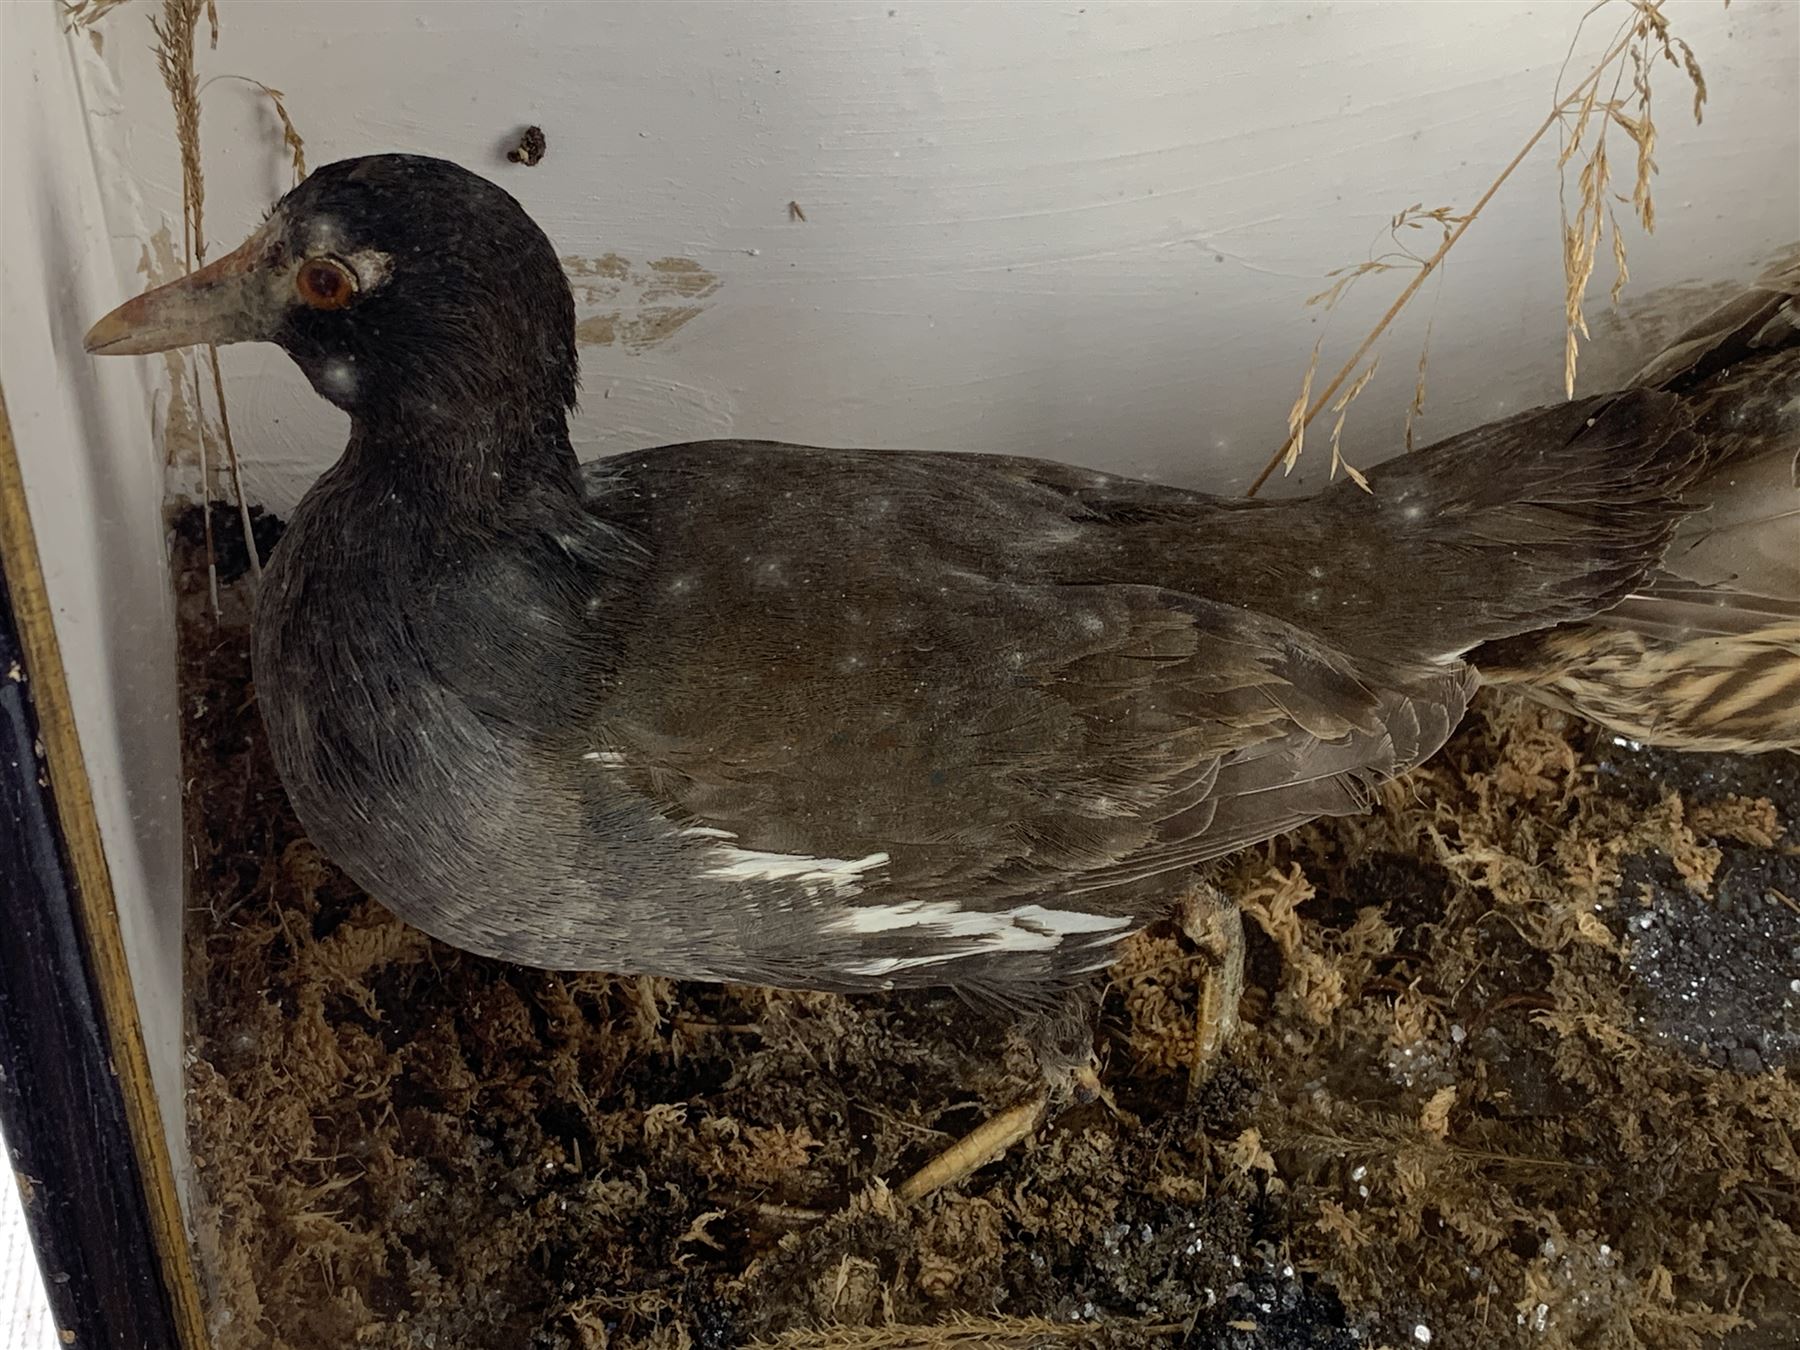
(237, 298)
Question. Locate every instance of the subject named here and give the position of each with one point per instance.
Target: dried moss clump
(1516, 1111)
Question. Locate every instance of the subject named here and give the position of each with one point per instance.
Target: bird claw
(1213, 923)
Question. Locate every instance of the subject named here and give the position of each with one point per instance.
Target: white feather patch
(1063, 921)
(372, 267)
(887, 965)
(1027, 928)
(944, 915)
(746, 864)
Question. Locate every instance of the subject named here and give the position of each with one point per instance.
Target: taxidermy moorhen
(856, 720)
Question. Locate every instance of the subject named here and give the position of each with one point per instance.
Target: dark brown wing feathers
(1025, 684)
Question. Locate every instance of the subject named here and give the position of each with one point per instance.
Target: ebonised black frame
(76, 1105)
(61, 1107)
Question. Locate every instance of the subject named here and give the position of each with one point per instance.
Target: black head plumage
(452, 302)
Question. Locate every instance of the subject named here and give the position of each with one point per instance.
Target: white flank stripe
(946, 915)
(1065, 921)
(606, 759)
(1029, 928)
(887, 965)
(744, 864)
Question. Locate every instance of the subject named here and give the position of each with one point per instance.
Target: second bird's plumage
(1705, 654)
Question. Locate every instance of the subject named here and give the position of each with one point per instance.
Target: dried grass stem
(1586, 113)
(1430, 264)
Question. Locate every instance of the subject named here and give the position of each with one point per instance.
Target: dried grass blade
(291, 139)
(1342, 409)
(1417, 408)
(1576, 112)
(175, 30)
(1297, 414)
(84, 14)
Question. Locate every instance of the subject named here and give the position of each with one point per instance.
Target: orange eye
(325, 283)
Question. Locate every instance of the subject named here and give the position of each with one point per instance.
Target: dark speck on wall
(530, 149)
